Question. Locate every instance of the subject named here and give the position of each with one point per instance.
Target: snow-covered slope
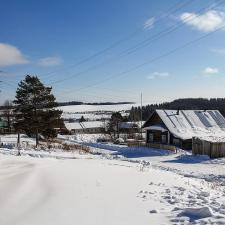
(91, 108)
(93, 112)
(102, 192)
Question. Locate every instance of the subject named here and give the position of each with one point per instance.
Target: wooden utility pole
(37, 138)
(141, 116)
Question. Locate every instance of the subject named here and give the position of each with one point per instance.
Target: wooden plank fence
(212, 149)
(152, 145)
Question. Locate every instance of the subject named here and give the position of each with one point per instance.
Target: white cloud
(149, 23)
(211, 70)
(156, 75)
(50, 61)
(10, 55)
(218, 50)
(207, 22)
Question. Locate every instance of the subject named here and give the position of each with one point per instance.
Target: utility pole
(141, 116)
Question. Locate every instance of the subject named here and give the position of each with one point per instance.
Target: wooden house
(3, 126)
(179, 127)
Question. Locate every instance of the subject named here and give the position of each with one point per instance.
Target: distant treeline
(94, 103)
(2, 107)
(182, 104)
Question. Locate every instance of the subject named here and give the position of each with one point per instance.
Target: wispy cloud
(207, 22)
(220, 51)
(50, 61)
(210, 70)
(10, 55)
(149, 24)
(156, 75)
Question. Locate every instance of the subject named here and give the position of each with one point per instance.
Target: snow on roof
(186, 124)
(89, 124)
(128, 125)
(157, 127)
(215, 139)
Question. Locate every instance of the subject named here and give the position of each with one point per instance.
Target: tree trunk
(118, 130)
(8, 121)
(18, 140)
(18, 143)
(37, 139)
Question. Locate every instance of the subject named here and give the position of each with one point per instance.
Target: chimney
(178, 111)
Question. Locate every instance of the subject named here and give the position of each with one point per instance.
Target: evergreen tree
(182, 104)
(35, 111)
(82, 119)
(8, 114)
(114, 124)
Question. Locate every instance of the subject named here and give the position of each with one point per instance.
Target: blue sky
(50, 39)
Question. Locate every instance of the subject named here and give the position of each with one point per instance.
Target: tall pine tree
(35, 111)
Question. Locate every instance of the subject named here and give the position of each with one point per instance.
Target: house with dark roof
(179, 127)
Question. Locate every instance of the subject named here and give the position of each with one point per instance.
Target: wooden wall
(152, 145)
(212, 149)
(154, 119)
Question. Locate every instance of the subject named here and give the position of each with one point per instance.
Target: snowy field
(96, 108)
(94, 112)
(114, 185)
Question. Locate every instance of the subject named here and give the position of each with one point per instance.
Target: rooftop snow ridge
(193, 123)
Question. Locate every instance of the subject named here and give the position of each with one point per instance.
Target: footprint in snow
(153, 211)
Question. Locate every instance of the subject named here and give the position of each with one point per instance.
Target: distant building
(86, 127)
(3, 126)
(179, 127)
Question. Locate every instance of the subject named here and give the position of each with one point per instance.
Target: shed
(212, 146)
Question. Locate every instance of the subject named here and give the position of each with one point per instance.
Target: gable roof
(193, 123)
(86, 125)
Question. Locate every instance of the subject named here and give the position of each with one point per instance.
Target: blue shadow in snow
(129, 152)
(189, 159)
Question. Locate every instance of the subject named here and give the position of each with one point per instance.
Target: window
(176, 141)
(163, 137)
(151, 137)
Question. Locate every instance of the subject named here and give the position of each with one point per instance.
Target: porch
(157, 134)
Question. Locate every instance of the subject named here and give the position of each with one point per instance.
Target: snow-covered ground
(94, 112)
(10, 140)
(97, 108)
(116, 185)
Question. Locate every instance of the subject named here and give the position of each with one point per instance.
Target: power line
(172, 9)
(101, 97)
(138, 46)
(109, 95)
(153, 59)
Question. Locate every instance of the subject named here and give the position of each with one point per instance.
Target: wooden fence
(152, 145)
(212, 149)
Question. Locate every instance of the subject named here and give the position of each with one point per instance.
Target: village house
(3, 126)
(90, 127)
(181, 127)
(130, 126)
